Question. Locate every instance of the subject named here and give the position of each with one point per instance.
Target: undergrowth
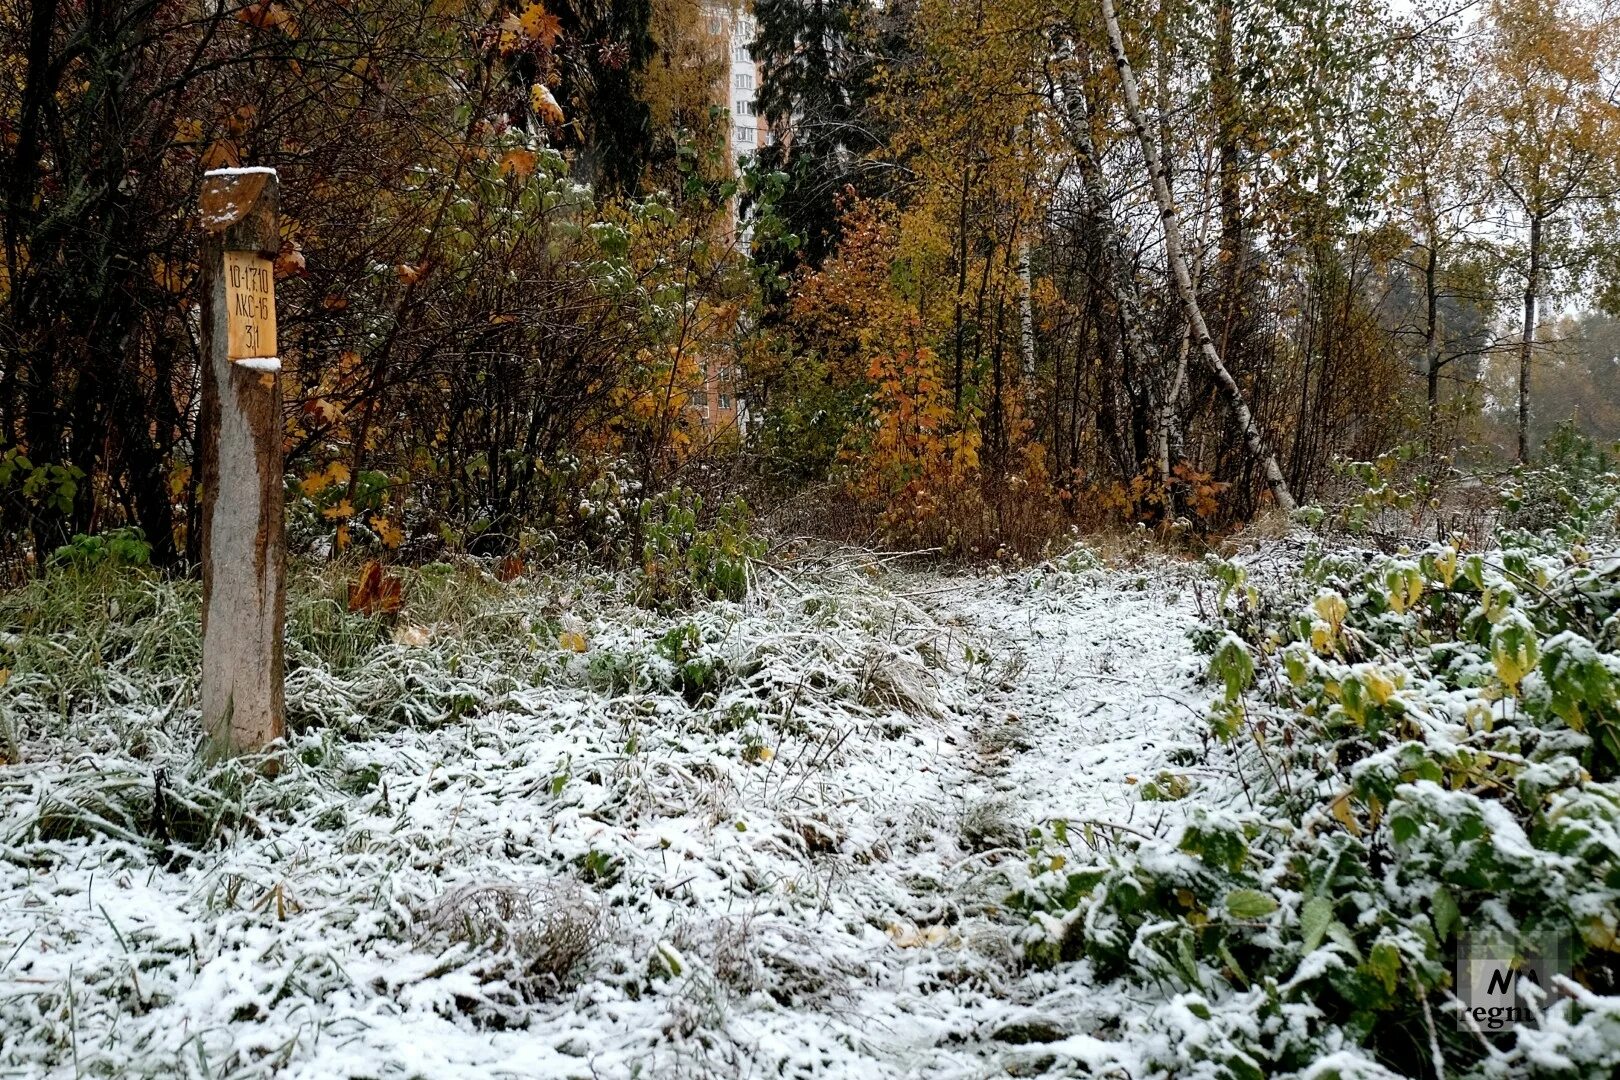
(1428, 744)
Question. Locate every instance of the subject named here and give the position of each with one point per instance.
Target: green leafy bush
(1428, 743)
(684, 560)
(115, 547)
(1572, 494)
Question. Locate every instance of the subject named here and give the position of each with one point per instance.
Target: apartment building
(732, 26)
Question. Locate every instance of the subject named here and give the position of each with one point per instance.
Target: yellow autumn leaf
(572, 640)
(1380, 687)
(317, 482)
(511, 35)
(545, 104)
(1332, 609)
(1342, 814)
(540, 25)
(1445, 564)
(517, 162)
(341, 510)
(326, 411)
(1600, 933)
(1512, 665)
(388, 532)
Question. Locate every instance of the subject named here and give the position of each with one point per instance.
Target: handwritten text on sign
(250, 306)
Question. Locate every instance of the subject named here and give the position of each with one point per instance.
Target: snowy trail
(806, 878)
(1089, 692)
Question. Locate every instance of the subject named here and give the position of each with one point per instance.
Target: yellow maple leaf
(389, 533)
(511, 36)
(519, 163)
(325, 410)
(540, 25)
(572, 640)
(317, 482)
(341, 510)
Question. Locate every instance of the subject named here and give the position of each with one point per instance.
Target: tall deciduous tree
(1439, 204)
(1548, 88)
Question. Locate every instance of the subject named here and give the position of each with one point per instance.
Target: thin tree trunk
(1527, 341)
(1026, 311)
(1178, 267)
(961, 289)
(1223, 94)
(1431, 347)
(1167, 413)
(1136, 351)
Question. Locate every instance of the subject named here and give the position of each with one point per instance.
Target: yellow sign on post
(250, 306)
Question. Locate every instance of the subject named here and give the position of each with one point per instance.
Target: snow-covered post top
(243, 546)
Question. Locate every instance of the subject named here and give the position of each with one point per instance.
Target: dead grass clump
(529, 943)
(889, 680)
(171, 816)
(746, 956)
(989, 826)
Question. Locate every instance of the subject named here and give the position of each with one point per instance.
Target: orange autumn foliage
(374, 592)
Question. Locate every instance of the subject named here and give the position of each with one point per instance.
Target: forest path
(1082, 689)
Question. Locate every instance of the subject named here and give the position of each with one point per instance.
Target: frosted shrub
(1430, 744)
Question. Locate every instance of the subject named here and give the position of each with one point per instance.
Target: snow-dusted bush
(1428, 744)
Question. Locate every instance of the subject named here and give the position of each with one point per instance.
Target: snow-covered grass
(774, 837)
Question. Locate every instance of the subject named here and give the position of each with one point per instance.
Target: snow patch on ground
(805, 876)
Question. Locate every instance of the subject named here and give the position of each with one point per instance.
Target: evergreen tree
(604, 49)
(817, 61)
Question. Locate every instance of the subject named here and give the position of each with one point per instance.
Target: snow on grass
(769, 838)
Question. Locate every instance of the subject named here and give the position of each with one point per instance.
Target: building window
(725, 401)
(745, 133)
(745, 107)
(740, 54)
(743, 80)
(700, 398)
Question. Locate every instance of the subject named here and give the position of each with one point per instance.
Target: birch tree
(1548, 89)
(1181, 274)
